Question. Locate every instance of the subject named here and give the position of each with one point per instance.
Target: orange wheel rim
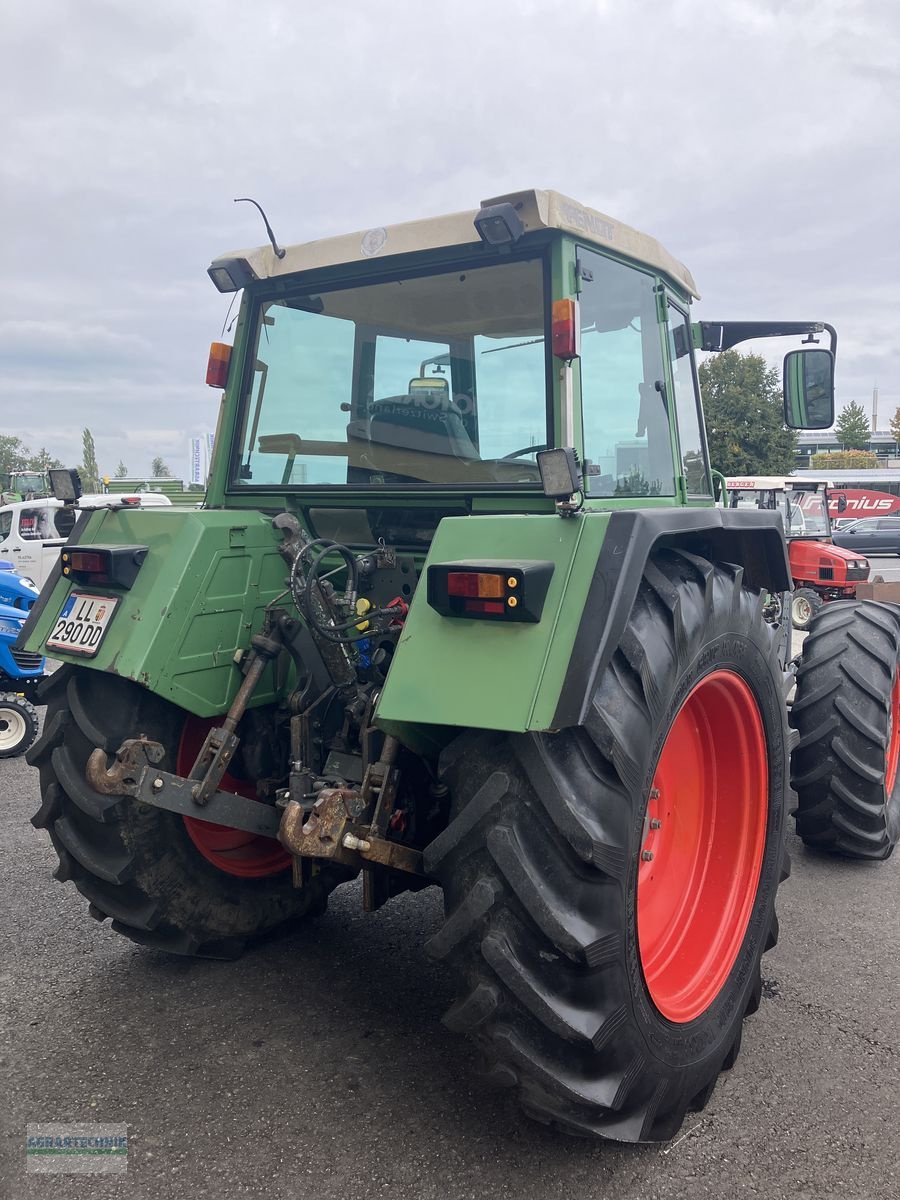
(704, 837)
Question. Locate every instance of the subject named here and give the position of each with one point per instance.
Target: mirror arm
(723, 335)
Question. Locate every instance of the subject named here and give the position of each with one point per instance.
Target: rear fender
(197, 598)
(450, 672)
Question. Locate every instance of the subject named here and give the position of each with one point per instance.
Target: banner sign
(196, 471)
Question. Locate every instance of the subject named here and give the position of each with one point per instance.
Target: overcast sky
(758, 139)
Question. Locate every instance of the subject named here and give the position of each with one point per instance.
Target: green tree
(895, 424)
(121, 470)
(744, 417)
(852, 427)
(159, 470)
(90, 475)
(43, 461)
(13, 454)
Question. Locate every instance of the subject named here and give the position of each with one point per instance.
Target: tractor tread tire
(28, 713)
(133, 863)
(535, 864)
(841, 712)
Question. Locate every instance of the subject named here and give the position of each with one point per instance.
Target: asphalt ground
(316, 1066)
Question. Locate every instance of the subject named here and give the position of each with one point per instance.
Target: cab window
(694, 464)
(627, 442)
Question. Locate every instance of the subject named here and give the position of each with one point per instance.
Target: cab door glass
(627, 442)
(694, 466)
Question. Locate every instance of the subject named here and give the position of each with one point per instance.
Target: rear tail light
(218, 363)
(117, 565)
(496, 591)
(565, 329)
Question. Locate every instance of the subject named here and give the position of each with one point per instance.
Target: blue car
(20, 670)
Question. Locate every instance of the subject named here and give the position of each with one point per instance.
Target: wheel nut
(647, 855)
(655, 823)
(654, 793)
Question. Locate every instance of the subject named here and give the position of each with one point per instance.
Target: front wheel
(176, 884)
(610, 889)
(804, 606)
(18, 724)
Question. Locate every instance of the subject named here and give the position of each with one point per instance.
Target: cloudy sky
(758, 139)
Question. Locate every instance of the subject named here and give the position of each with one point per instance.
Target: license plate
(82, 624)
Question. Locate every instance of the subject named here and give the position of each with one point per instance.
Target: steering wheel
(525, 450)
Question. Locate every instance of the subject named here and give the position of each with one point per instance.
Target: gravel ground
(316, 1066)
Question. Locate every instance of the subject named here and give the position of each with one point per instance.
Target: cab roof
(537, 210)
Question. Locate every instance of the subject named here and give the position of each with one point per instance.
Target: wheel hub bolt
(655, 823)
(647, 855)
(654, 793)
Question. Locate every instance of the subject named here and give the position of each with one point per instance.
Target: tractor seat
(410, 424)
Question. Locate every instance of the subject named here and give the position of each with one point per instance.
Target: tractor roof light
(231, 274)
(499, 225)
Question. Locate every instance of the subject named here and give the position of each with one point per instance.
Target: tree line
(15, 456)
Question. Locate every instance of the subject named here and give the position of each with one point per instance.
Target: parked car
(870, 535)
(32, 531)
(20, 670)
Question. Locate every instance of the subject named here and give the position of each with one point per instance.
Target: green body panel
(488, 674)
(199, 595)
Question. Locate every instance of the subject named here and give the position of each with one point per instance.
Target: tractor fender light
(218, 364)
(117, 565)
(565, 330)
(488, 589)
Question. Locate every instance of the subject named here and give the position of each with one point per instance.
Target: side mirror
(809, 389)
(841, 502)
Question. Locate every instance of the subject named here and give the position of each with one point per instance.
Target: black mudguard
(751, 539)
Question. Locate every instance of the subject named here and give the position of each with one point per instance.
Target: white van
(32, 531)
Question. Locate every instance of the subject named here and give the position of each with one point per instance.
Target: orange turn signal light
(217, 366)
(565, 330)
(475, 584)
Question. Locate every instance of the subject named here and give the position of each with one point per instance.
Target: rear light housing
(490, 590)
(565, 330)
(218, 363)
(109, 565)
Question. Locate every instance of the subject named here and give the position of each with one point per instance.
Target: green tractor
(460, 611)
(22, 485)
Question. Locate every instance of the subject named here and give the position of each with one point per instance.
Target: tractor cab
(820, 570)
(802, 504)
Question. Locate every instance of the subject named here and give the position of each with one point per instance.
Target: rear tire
(543, 868)
(18, 724)
(805, 603)
(135, 863)
(847, 714)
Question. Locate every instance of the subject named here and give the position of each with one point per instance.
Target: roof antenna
(279, 253)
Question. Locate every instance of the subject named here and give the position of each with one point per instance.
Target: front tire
(805, 603)
(18, 724)
(135, 863)
(562, 932)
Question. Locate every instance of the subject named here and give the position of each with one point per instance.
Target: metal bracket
(134, 773)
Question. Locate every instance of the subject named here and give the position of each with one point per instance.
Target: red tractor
(820, 570)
